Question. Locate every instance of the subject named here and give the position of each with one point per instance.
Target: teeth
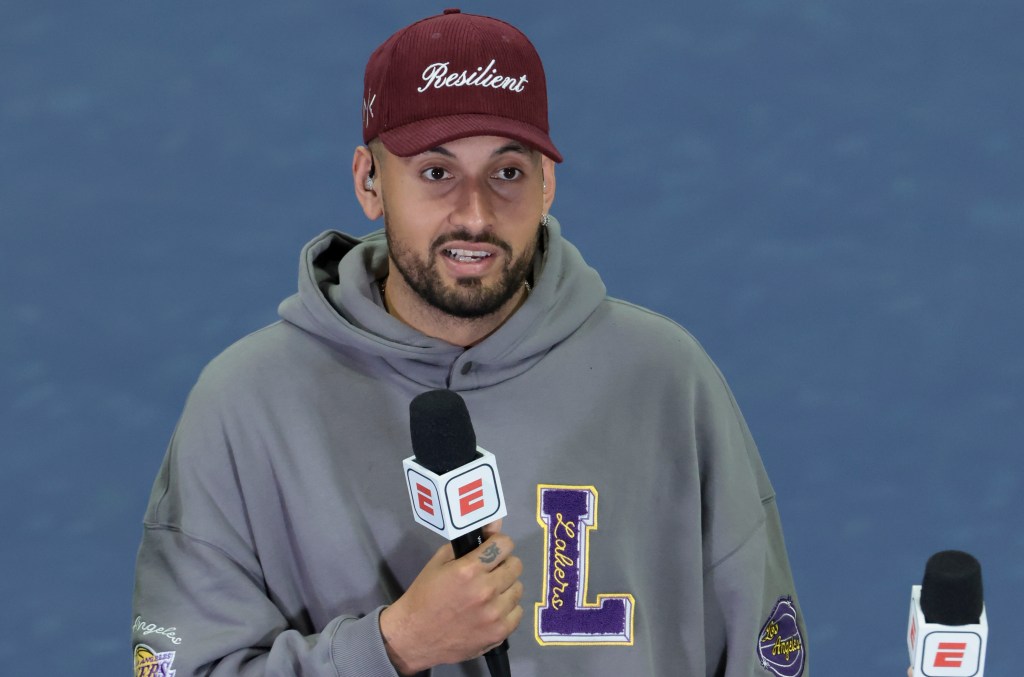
(466, 255)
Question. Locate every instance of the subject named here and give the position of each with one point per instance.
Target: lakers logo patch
(568, 514)
(149, 663)
(780, 645)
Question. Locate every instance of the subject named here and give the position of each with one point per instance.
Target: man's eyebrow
(514, 147)
(440, 150)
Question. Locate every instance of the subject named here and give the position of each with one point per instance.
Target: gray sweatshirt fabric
(280, 525)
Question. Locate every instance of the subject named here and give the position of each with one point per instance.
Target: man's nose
(474, 210)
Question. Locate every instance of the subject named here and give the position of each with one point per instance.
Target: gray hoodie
(279, 525)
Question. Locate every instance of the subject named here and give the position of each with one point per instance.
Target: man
(278, 539)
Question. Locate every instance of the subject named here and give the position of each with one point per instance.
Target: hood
(338, 301)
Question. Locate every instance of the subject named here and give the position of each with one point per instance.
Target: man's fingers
(492, 528)
(513, 619)
(512, 595)
(507, 573)
(508, 623)
(442, 555)
(493, 551)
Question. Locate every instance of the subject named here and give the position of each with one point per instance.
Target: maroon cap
(452, 76)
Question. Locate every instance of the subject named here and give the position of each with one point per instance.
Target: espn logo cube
(951, 654)
(459, 501)
(945, 650)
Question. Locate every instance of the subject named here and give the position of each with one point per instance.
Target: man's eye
(436, 174)
(509, 173)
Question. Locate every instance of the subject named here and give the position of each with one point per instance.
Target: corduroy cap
(451, 76)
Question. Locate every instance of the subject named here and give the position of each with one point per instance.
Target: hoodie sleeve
(753, 622)
(202, 605)
(232, 626)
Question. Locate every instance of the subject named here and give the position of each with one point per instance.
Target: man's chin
(469, 299)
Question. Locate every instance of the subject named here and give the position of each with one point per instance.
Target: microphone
(948, 630)
(453, 484)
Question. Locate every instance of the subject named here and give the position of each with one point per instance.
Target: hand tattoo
(490, 554)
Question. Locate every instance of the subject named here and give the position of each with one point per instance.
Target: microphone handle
(497, 658)
(497, 661)
(467, 543)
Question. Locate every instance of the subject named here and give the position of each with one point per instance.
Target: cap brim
(418, 137)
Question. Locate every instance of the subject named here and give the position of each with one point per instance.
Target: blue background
(828, 193)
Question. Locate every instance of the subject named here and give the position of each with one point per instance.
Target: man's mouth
(466, 255)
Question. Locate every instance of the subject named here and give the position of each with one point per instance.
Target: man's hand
(456, 609)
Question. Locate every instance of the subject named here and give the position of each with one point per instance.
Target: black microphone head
(951, 592)
(442, 434)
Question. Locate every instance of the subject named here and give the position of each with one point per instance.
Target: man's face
(462, 222)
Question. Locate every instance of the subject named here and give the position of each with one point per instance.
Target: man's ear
(548, 166)
(367, 192)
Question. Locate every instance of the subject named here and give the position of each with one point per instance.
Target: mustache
(465, 236)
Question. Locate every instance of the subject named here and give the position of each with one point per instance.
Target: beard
(469, 298)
